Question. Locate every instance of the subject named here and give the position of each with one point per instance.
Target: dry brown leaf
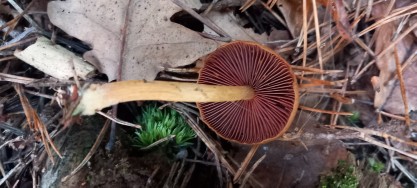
(389, 95)
(151, 40)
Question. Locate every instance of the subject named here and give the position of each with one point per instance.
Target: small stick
(324, 111)
(16, 79)
(369, 139)
(7, 58)
(213, 148)
(245, 162)
(319, 71)
(119, 121)
(17, 43)
(376, 133)
(160, 141)
(395, 116)
(251, 171)
(18, 167)
(402, 86)
(206, 22)
(318, 38)
(328, 90)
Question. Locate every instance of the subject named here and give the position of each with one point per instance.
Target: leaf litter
(135, 39)
(123, 47)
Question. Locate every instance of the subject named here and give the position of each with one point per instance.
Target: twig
(402, 86)
(3, 173)
(249, 173)
(405, 171)
(210, 7)
(328, 90)
(401, 12)
(206, 22)
(160, 141)
(369, 139)
(16, 79)
(219, 170)
(376, 133)
(395, 116)
(324, 111)
(201, 134)
(11, 172)
(318, 37)
(177, 178)
(245, 162)
(21, 11)
(7, 58)
(119, 121)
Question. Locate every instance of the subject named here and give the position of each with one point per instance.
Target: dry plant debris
(46, 56)
(136, 38)
(398, 32)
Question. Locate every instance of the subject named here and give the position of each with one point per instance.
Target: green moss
(354, 118)
(162, 124)
(341, 177)
(375, 165)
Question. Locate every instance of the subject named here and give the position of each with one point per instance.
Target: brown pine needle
(314, 70)
(402, 86)
(318, 37)
(36, 125)
(395, 116)
(245, 162)
(325, 111)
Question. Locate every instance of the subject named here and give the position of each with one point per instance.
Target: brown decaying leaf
(136, 38)
(389, 95)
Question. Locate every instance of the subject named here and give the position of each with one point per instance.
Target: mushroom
(246, 93)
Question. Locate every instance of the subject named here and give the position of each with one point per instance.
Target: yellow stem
(97, 96)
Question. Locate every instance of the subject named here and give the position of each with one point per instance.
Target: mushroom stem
(98, 96)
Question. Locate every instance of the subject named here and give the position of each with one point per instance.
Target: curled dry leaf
(49, 57)
(389, 95)
(136, 38)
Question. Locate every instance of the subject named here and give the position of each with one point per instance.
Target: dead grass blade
(36, 125)
(402, 86)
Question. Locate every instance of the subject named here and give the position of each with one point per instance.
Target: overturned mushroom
(246, 93)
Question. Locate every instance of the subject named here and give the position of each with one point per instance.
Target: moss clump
(341, 177)
(375, 165)
(160, 124)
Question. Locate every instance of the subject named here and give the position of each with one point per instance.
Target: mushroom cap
(261, 119)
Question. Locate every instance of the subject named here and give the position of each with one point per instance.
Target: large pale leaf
(389, 97)
(133, 36)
